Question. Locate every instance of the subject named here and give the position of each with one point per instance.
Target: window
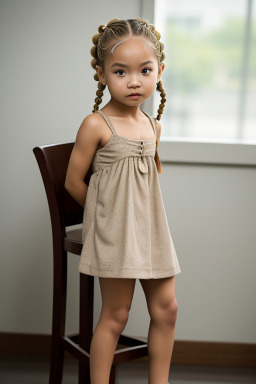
(210, 73)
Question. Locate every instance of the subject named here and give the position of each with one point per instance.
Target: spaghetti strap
(106, 118)
(152, 119)
(108, 121)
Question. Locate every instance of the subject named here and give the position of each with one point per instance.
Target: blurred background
(210, 68)
(207, 151)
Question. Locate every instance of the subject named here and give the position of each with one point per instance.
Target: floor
(36, 371)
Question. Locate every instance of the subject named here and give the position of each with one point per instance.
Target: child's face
(131, 69)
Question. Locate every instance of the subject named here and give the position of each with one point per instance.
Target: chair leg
(86, 311)
(56, 364)
(58, 315)
(112, 375)
(85, 323)
(84, 374)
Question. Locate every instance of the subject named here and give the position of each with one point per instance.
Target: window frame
(195, 151)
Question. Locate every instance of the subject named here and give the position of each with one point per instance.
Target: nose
(133, 82)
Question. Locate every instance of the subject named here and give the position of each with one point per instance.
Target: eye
(146, 71)
(120, 72)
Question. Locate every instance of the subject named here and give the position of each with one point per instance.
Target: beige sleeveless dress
(125, 232)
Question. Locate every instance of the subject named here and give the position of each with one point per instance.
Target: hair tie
(102, 28)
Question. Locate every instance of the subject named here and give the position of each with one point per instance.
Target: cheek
(115, 81)
(151, 83)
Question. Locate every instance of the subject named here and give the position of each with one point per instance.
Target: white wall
(212, 216)
(47, 89)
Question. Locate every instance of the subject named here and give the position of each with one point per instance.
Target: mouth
(134, 96)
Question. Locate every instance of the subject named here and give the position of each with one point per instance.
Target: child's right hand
(87, 141)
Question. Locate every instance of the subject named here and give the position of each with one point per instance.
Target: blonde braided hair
(101, 86)
(106, 38)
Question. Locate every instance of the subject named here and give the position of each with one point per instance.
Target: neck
(114, 107)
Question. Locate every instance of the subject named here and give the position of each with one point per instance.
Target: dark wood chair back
(53, 162)
(65, 212)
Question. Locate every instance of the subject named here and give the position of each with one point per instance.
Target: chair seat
(72, 242)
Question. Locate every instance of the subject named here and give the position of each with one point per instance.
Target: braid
(94, 53)
(160, 88)
(159, 48)
(99, 94)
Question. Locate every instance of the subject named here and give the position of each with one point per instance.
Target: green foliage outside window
(200, 59)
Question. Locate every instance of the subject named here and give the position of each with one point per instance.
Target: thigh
(116, 293)
(159, 292)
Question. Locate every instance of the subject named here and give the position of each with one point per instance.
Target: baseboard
(184, 352)
(23, 344)
(214, 354)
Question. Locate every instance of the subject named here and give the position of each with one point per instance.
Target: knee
(165, 313)
(117, 320)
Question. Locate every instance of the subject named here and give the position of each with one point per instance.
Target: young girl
(125, 229)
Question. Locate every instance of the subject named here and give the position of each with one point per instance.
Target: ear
(162, 66)
(100, 74)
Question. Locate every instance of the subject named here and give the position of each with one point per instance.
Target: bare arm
(158, 132)
(87, 141)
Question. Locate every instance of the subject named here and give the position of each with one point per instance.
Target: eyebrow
(126, 66)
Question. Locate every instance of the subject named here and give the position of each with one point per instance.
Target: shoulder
(91, 122)
(158, 126)
(90, 130)
(158, 131)
(91, 125)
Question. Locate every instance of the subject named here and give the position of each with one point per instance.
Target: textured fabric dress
(125, 232)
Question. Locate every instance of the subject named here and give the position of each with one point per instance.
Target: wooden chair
(65, 212)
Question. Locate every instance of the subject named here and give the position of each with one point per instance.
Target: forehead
(131, 50)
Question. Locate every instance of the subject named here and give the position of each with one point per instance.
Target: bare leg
(117, 296)
(162, 306)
